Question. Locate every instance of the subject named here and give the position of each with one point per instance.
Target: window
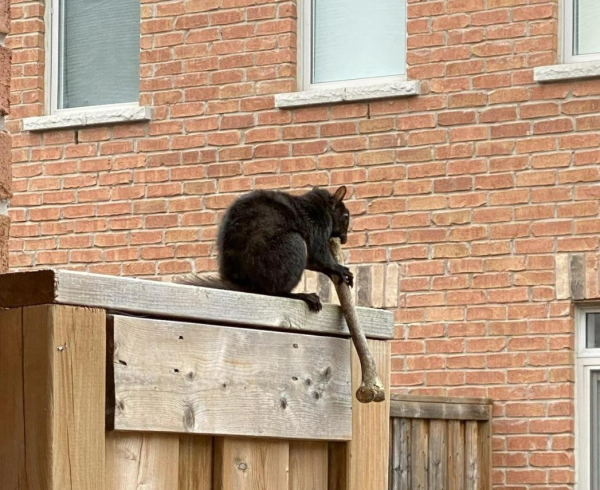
(588, 398)
(95, 47)
(347, 42)
(581, 35)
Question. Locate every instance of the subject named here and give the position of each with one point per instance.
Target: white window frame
(52, 70)
(305, 61)
(568, 36)
(588, 360)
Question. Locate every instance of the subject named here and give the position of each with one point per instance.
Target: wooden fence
(111, 383)
(440, 443)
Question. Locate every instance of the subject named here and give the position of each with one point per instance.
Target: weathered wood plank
(142, 461)
(420, 455)
(338, 460)
(369, 458)
(444, 411)
(183, 302)
(12, 430)
(401, 458)
(220, 380)
(440, 399)
(484, 452)
(64, 406)
(456, 455)
(251, 464)
(195, 462)
(471, 462)
(437, 454)
(308, 465)
(391, 465)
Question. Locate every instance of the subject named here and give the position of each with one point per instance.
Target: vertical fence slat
(400, 455)
(248, 464)
(484, 441)
(456, 455)
(471, 463)
(419, 454)
(437, 454)
(406, 458)
(195, 462)
(308, 465)
(369, 459)
(142, 460)
(391, 464)
(338, 455)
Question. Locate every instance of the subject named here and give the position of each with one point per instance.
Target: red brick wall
(475, 205)
(5, 145)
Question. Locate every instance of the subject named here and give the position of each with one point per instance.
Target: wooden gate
(440, 443)
(109, 383)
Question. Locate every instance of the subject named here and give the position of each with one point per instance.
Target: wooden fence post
(12, 435)
(59, 439)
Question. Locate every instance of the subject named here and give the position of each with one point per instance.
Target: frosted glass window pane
(99, 52)
(358, 39)
(587, 33)
(595, 430)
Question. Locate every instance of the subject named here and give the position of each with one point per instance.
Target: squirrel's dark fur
(267, 239)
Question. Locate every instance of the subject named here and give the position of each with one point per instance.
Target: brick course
(475, 205)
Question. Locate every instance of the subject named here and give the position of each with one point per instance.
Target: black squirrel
(268, 238)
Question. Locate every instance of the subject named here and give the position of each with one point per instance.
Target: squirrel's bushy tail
(210, 280)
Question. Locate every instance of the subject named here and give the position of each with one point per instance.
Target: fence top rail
(437, 407)
(168, 300)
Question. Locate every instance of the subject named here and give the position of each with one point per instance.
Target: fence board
(12, 433)
(471, 463)
(400, 460)
(142, 461)
(251, 464)
(369, 448)
(195, 462)
(484, 452)
(338, 460)
(308, 465)
(435, 410)
(419, 454)
(437, 454)
(231, 389)
(456, 455)
(139, 296)
(431, 453)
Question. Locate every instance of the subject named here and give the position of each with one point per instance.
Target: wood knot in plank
(189, 418)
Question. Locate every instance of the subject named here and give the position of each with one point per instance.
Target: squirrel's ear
(340, 194)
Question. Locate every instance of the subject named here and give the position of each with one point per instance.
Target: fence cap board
(169, 300)
(459, 400)
(434, 407)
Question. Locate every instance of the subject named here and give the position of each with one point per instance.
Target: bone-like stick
(371, 388)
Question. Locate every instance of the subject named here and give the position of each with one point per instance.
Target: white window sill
(88, 117)
(569, 71)
(348, 94)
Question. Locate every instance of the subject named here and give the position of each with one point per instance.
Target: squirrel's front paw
(346, 276)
